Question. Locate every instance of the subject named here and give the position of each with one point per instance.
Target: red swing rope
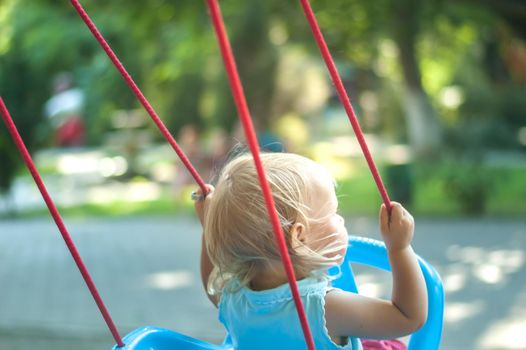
(249, 132)
(140, 96)
(244, 116)
(344, 98)
(58, 220)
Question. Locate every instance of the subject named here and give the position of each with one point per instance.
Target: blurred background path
(147, 272)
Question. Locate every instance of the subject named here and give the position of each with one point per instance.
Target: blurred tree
(513, 12)
(248, 25)
(361, 28)
(406, 52)
(30, 42)
(424, 128)
(10, 161)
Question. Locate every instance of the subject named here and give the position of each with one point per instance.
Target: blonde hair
(239, 236)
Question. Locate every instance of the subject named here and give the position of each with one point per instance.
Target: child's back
(242, 271)
(268, 319)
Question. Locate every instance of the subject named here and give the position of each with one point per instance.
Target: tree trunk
(256, 60)
(425, 133)
(424, 129)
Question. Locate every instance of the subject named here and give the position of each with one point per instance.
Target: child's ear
(298, 234)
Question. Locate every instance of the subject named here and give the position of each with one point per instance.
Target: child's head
(239, 235)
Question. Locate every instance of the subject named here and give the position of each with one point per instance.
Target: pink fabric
(383, 345)
(72, 132)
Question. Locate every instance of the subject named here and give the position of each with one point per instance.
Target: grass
(508, 192)
(448, 190)
(163, 206)
(505, 190)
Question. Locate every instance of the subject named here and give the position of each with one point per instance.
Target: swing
(360, 250)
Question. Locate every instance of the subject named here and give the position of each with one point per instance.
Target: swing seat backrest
(361, 250)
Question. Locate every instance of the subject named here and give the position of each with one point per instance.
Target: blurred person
(268, 140)
(190, 143)
(243, 275)
(219, 144)
(65, 111)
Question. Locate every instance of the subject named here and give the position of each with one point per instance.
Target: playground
(147, 270)
(449, 145)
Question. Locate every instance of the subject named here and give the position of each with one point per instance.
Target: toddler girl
(242, 270)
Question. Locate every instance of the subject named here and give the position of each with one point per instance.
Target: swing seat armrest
(374, 253)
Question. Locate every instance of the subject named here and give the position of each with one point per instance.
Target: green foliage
(9, 161)
(450, 190)
(469, 186)
(162, 207)
(170, 50)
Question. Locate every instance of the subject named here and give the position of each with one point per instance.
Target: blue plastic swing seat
(361, 250)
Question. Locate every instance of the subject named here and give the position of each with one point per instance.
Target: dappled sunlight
(293, 129)
(69, 164)
(323, 153)
(278, 34)
(509, 260)
(452, 96)
(386, 64)
(128, 192)
(477, 271)
(6, 10)
(373, 290)
(507, 333)
(164, 172)
(398, 154)
(488, 273)
(372, 285)
(486, 265)
(345, 146)
(455, 279)
(113, 166)
(458, 312)
(93, 163)
(334, 154)
(300, 82)
(170, 280)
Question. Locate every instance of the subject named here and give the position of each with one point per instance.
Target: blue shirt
(265, 320)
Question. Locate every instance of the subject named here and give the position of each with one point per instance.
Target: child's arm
(349, 314)
(206, 265)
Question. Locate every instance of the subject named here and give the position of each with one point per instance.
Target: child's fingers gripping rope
(198, 194)
(397, 227)
(384, 219)
(200, 201)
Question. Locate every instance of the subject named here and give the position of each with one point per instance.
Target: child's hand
(397, 229)
(201, 202)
